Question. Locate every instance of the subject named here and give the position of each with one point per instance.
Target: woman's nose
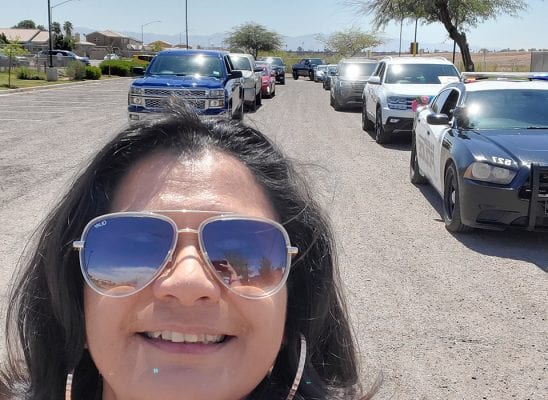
(187, 277)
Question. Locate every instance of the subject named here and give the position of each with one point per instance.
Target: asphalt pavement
(439, 316)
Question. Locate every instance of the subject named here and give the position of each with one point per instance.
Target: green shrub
(120, 67)
(76, 70)
(29, 74)
(93, 73)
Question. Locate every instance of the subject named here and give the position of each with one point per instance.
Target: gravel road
(437, 315)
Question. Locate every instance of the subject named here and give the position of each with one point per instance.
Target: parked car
(482, 146)
(347, 84)
(306, 67)
(111, 56)
(321, 71)
(251, 78)
(277, 65)
(398, 85)
(205, 79)
(268, 79)
(331, 71)
(60, 58)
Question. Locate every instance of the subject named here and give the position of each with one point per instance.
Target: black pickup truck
(306, 67)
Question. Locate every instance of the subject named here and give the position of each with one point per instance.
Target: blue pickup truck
(205, 79)
(306, 67)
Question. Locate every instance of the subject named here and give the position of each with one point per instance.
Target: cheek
(105, 336)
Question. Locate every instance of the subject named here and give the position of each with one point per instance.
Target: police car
(483, 145)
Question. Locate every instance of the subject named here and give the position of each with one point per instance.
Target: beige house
(32, 40)
(113, 40)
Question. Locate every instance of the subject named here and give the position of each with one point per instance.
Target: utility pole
(186, 23)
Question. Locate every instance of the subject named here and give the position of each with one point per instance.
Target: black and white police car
(483, 145)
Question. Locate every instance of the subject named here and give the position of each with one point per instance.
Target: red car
(268, 80)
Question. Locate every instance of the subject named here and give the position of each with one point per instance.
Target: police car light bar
(473, 76)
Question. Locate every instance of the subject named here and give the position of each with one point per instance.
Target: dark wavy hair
(45, 331)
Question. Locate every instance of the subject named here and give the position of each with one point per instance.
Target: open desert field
(504, 61)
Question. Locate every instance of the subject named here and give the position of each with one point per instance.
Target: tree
(349, 42)
(25, 24)
(11, 50)
(3, 38)
(457, 16)
(68, 27)
(253, 38)
(41, 27)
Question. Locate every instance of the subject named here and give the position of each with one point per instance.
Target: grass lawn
(24, 83)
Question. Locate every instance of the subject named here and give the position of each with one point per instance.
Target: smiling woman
(188, 261)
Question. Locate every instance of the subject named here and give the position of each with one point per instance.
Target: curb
(4, 92)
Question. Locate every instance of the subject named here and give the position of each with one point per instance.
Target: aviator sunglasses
(121, 253)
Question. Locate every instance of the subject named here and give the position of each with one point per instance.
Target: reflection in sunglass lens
(122, 254)
(249, 256)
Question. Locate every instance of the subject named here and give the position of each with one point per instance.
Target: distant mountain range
(304, 42)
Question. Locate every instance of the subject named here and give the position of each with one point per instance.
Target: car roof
(416, 60)
(355, 60)
(193, 52)
(477, 86)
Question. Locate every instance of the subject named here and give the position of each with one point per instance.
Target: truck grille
(161, 103)
(175, 92)
(536, 190)
(401, 103)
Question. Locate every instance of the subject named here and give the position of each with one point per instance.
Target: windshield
(354, 70)
(421, 74)
(275, 61)
(506, 109)
(316, 61)
(241, 63)
(198, 64)
(264, 68)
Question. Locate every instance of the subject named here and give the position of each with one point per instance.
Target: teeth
(178, 337)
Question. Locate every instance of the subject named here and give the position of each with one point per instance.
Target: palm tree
(68, 27)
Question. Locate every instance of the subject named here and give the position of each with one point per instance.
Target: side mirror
(437, 119)
(374, 80)
(236, 74)
(140, 71)
(461, 117)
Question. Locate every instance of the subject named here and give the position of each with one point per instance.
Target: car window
(380, 70)
(186, 65)
(357, 69)
(420, 73)
(506, 109)
(439, 101)
(451, 103)
(241, 63)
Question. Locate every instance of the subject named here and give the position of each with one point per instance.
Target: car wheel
(366, 124)
(451, 202)
(311, 75)
(253, 105)
(295, 76)
(259, 98)
(380, 134)
(414, 172)
(239, 114)
(282, 81)
(273, 92)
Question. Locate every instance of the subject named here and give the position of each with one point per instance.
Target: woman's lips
(194, 345)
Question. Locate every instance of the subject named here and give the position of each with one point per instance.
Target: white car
(251, 78)
(111, 56)
(397, 87)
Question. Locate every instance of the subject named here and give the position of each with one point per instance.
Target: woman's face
(186, 299)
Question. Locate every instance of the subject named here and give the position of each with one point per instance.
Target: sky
(287, 17)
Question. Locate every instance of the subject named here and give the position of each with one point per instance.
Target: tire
(295, 75)
(239, 115)
(253, 105)
(273, 93)
(259, 98)
(331, 101)
(414, 172)
(451, 202)
(380, 134)
(366, 124)
(282, 81)
(311, 75)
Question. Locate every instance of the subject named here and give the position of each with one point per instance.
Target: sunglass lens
(250, 257)
(122, 254)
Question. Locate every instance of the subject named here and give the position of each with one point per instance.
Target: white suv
(252, 81)
(397, 87)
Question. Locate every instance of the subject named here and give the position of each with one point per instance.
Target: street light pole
(49, 32)
(186, 23)
(143, 34)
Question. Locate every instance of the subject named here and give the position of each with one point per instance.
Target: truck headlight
(137, 100)
(484, 172)
(137, 90)
(216, 103)
(217, 93)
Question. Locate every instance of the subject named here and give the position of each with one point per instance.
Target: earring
(300, 369)
(68, 385)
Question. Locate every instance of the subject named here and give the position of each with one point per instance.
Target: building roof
(21, 35)
(110, 33)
